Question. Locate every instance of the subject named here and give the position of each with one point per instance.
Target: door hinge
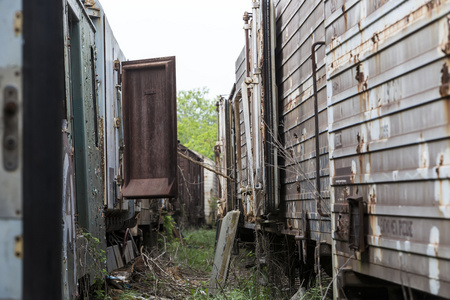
(116, 65)
(117, 122)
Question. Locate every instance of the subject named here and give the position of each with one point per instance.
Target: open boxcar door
(150, 128)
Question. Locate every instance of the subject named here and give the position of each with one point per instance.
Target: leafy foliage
(196, 116)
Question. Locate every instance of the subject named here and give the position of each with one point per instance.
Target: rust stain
(446, 48)
(362, 81)
(375, 40)
(372, 198)
(440, 164)
(18, 23)
(292, 103)
(360, 145)
(387, 31)
(444, 88)
(359, 74)
(345, 16)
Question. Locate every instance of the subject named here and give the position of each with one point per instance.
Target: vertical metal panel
(387, 67)
(82, 95)
(113, 113)
(10, 180)
(271, 203)
(222, 145)
(150, 131)
(230, 155)
(69, 209)
(42, 169)
(299, 25)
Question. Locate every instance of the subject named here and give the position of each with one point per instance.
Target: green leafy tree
(196, 116)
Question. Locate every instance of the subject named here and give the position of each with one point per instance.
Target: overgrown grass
(196, 250)
(180, 269)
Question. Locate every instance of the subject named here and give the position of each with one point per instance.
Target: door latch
(10, 131)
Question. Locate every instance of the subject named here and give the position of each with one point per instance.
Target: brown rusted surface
(150, 132)
(445, 78)
(446, 47)
(190, 187)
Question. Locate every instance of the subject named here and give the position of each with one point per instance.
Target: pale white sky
(206, 36)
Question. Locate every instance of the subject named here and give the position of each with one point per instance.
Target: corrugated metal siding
(240, 76)
(240, 69)
(387, 72)
(299, 25)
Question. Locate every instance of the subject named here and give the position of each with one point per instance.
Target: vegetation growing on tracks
(180, 269)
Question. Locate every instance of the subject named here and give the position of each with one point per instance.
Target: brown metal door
(150, 128)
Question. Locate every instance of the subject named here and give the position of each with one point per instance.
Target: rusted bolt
(116, 65)
(246, 17)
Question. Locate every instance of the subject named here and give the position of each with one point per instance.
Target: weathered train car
(30, 170)
(388, 110)
(197, 188)
(92, 138)
(63, 62)
(109, 143)
(360, 139)
(191, 197)
(272, 117)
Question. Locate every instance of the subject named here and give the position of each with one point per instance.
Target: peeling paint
(433, 265)
(424, 160)
(445, 78)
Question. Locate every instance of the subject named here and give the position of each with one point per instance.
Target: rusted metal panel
(191, 195)
(388, 111)
(150, 131)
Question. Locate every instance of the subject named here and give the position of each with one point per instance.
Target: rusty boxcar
(197, 188)
(65, 131)
(337, 132)
(191, 189)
